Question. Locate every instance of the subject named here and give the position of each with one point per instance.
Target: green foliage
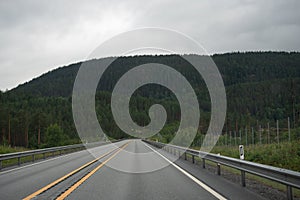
(7, 149)
(284, 155)
(260, 86)
(55, 136)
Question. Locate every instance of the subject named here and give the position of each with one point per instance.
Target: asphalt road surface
(128, 169)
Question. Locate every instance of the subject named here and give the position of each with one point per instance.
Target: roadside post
(219, 167)
(242, 157)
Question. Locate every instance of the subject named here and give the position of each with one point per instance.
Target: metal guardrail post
(289, 192)
(218, 169)
(243, 178)
(17, 156)
(284, 176)
(185, 156)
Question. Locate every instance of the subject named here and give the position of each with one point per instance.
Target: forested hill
(261, 87)
(236, 68)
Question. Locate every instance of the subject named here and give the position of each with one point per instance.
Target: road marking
(31, 196)
(78, 183)
(200, 183)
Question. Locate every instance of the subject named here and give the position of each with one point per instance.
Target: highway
(110, 174)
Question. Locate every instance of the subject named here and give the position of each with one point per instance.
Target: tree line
(260, 86)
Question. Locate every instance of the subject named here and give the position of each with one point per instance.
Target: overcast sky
(37, 36)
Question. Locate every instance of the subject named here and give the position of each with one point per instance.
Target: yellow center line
(77, 184)
(31, 196)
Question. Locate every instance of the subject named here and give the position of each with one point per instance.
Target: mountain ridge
(242, 65)
(261, 88)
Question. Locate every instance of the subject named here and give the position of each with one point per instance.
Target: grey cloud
(37, 36)
(232, 25)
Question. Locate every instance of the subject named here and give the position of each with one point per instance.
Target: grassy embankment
(6, 149)
(284, 155)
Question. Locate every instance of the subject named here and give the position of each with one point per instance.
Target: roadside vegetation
(262, 91)
(284, 155)
(7, 149)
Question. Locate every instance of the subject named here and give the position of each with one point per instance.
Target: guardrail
(44, 152)
(287, 177)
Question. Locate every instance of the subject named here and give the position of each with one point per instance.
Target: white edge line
(200, 183)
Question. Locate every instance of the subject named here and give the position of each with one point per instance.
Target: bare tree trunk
(26, 136)
(39, 135)
(294, 115)
(277, 127)
(289, 129)
(3, 134)
(9, 142)
(293, 103)
(14, 139)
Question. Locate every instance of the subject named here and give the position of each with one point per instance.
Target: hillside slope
(236, 68)
(261, 87)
